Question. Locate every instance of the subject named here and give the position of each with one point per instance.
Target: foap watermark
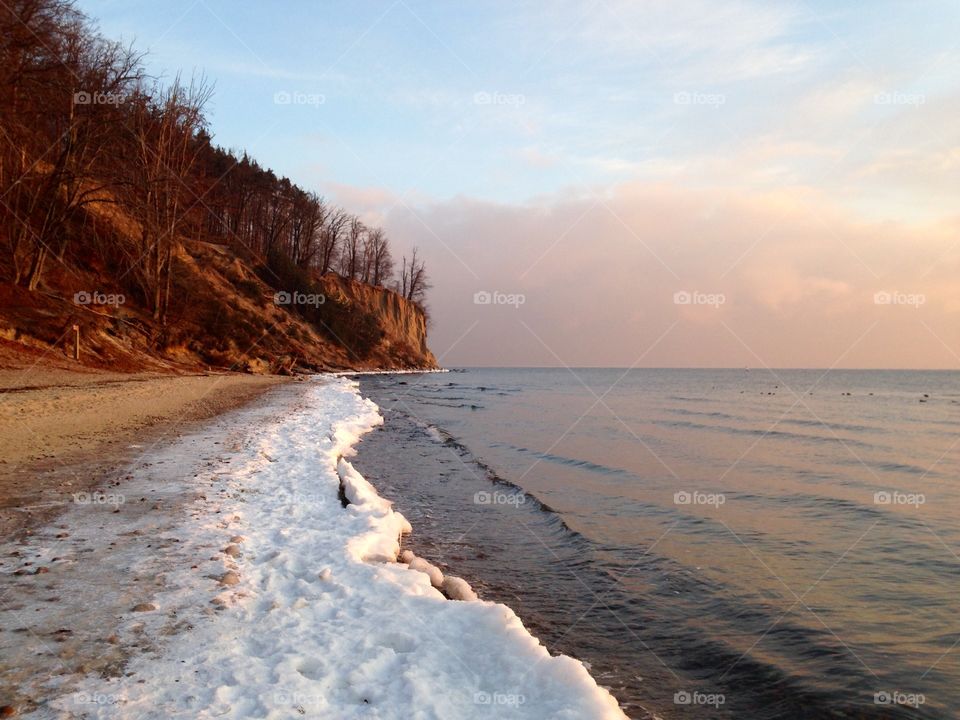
(98, 298)
(914, 300)
(898, 697)
(83, 97)
(899, 98)
(484, 97)
(297, 699)
(683, 497)
(689, 97)
(884, 497)
(495, 297)
(296, 97)
(97, 497)
(695, 697)
(483, 497)
(95, 698)
(298, 498)
(298, 298)
(695, 297)
(499, 698)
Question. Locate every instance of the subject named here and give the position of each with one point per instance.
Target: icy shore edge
(310, 613)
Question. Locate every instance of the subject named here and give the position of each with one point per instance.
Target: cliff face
(403, 324)
(223, 315)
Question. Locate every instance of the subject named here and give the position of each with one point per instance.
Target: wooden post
(76, 342)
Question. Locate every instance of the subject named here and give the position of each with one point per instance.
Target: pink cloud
(780, 279)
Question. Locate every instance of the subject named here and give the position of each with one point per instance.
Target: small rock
(237, 539)
(144, 607)
(325, 574)
(8, 711)
(232, 550)
(41, 571)
(229, 578)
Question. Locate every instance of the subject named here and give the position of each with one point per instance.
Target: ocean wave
(768, 432)
(570, 462)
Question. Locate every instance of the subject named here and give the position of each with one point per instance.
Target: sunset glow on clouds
(799, 159)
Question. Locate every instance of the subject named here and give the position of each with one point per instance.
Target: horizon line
(664, 367)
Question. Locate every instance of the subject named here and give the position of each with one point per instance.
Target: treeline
(81, 122)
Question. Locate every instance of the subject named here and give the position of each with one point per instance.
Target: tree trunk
(166, 294)
(36, 269)
(156, 273)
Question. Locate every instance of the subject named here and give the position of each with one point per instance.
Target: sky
(649, 183)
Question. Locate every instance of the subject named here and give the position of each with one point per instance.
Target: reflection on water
(787, 541)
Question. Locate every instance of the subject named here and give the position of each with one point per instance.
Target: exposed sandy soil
(65, 430)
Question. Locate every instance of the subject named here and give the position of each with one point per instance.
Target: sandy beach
(220, 575)
(88, 543)
(67, 429)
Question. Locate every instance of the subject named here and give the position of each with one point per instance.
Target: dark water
(777, 578)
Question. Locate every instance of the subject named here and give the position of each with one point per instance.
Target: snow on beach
(312, 617)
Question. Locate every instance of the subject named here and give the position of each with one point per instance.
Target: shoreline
(67, 431)
(252, 570)
(73, 582)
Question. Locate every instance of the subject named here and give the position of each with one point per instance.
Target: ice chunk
(458, 588)
(432, 571)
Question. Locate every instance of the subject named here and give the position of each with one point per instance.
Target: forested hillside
(119, 215)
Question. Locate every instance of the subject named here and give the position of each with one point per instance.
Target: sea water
(712, 543)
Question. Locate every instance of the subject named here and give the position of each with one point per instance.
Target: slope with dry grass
(224, 312)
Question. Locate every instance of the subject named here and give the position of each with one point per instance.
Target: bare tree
(351, 253)
(309, 212)
(61, 85)
(378, 262)
(414, 282)
(163, 154)
(331, 235)
(82, 125)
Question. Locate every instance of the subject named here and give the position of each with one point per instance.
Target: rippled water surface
(789, 541)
